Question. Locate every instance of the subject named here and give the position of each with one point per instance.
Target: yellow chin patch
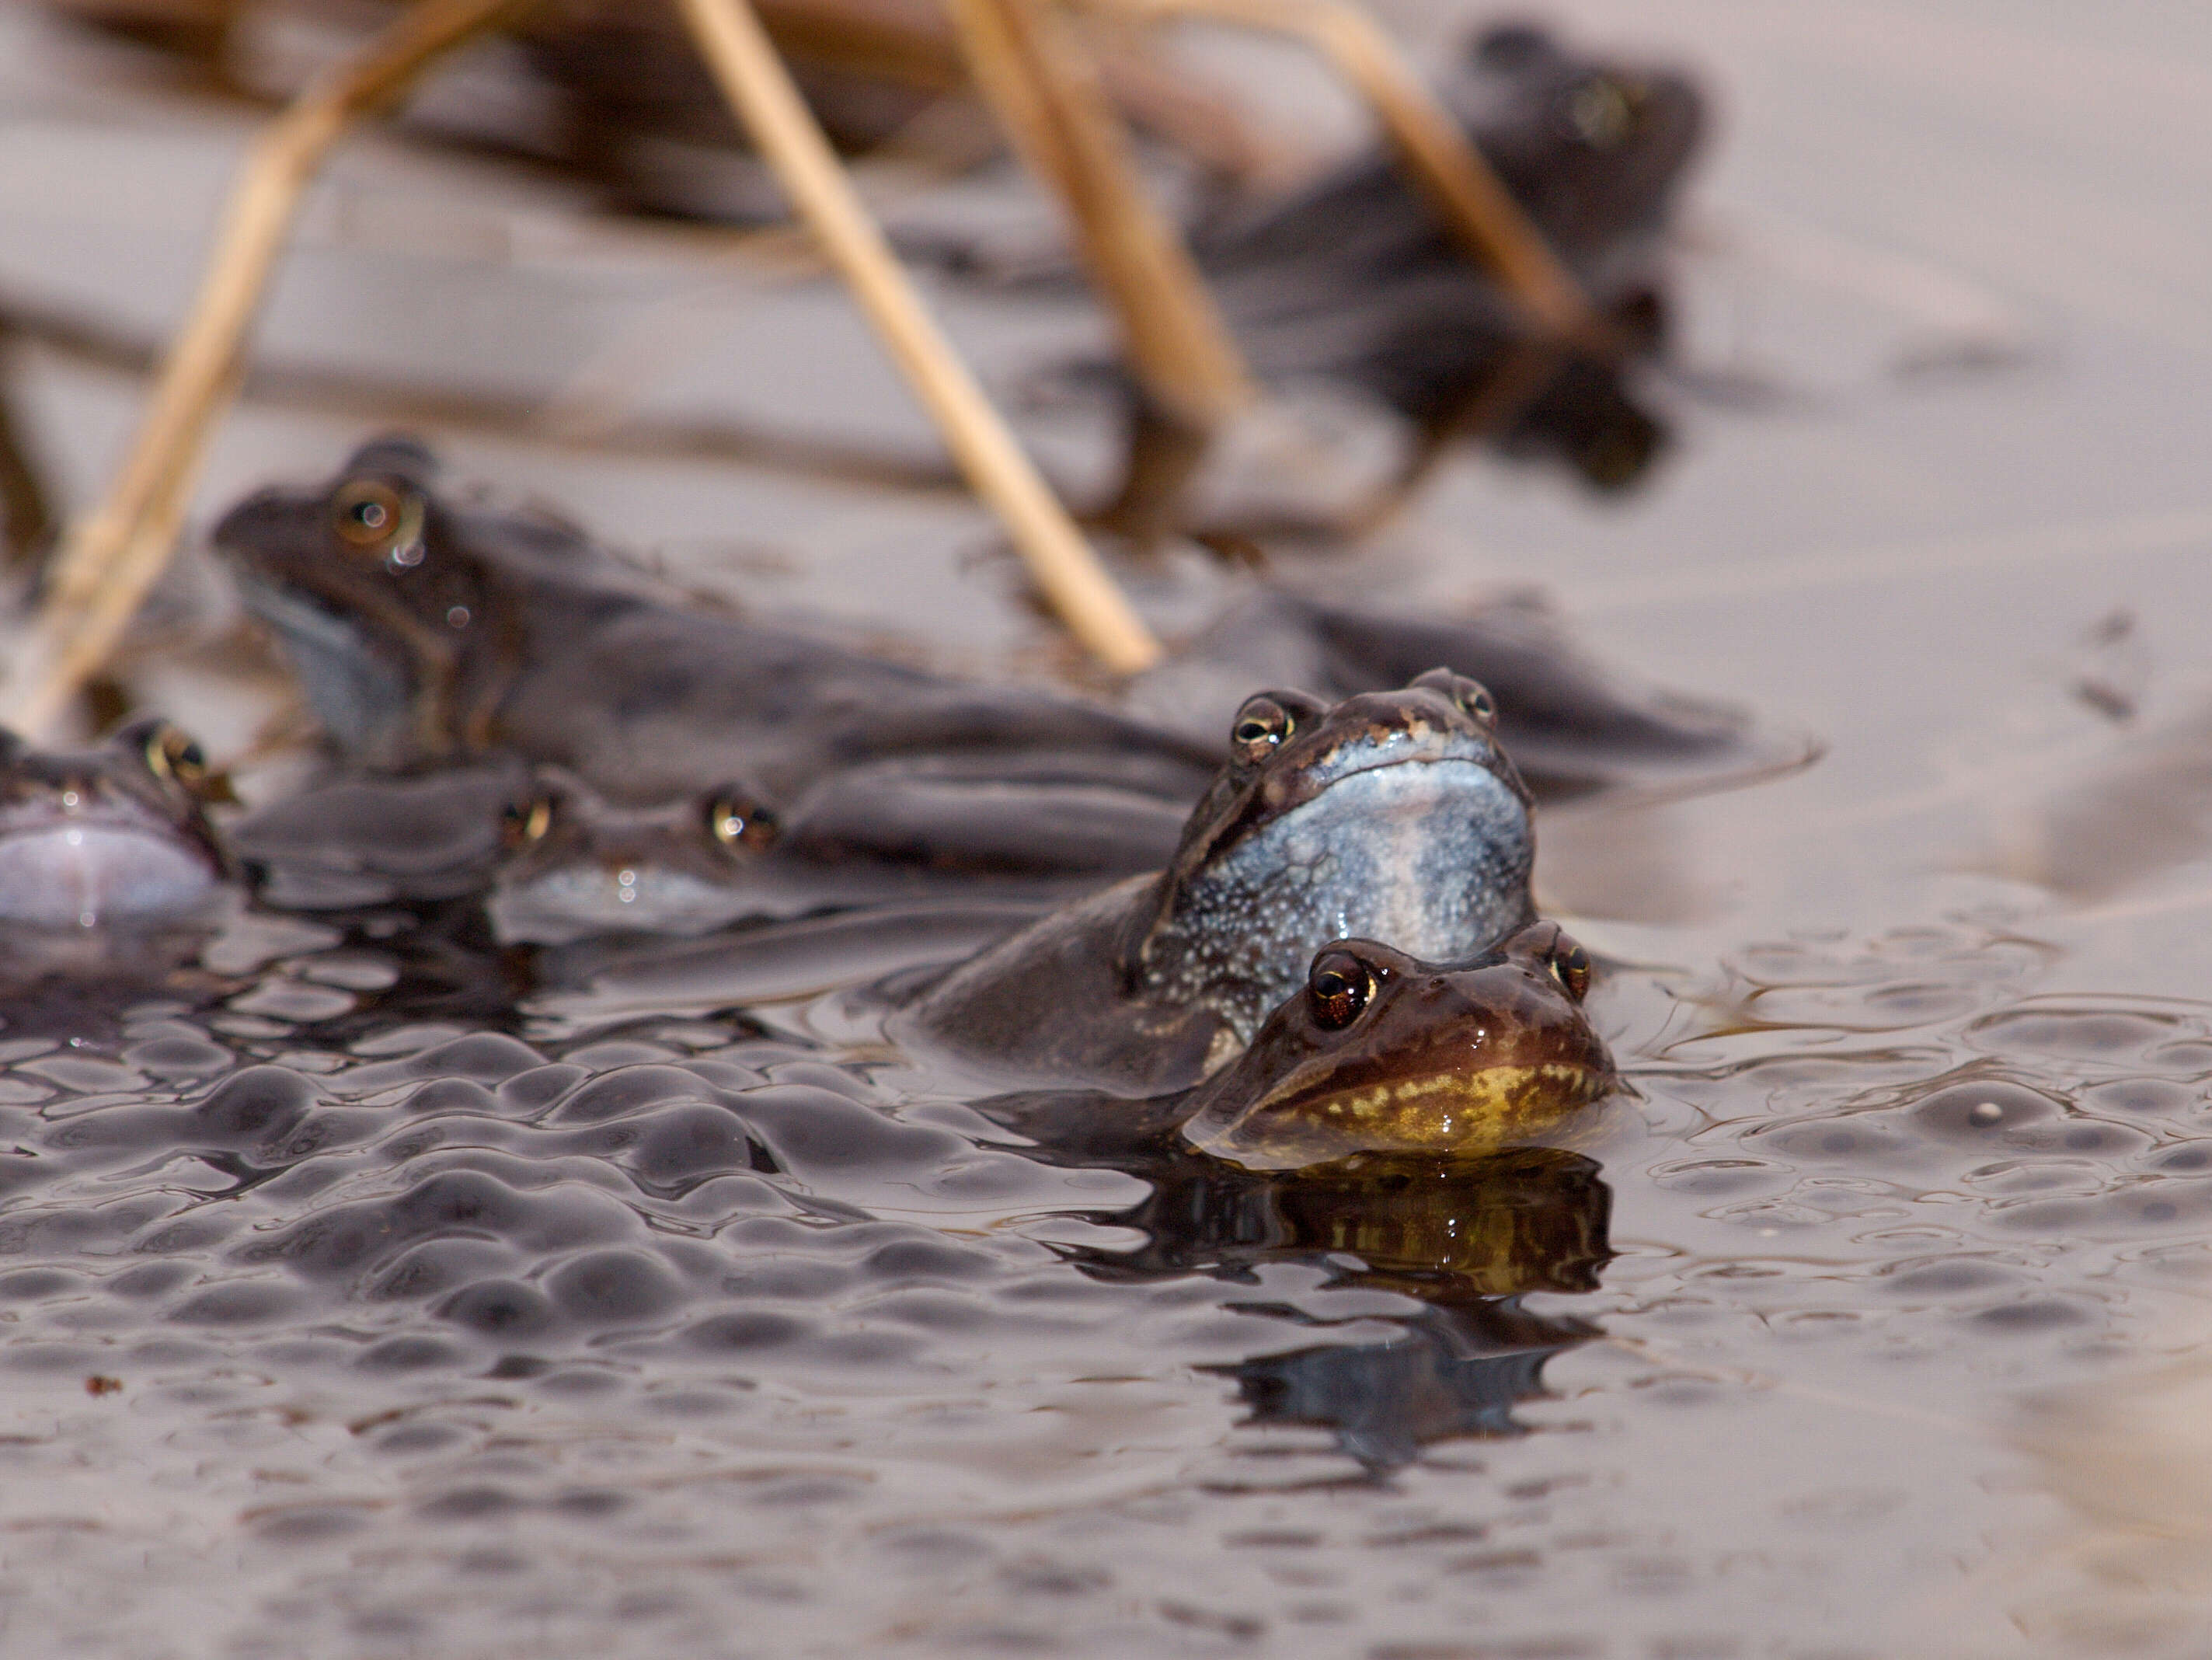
(1456, 1112)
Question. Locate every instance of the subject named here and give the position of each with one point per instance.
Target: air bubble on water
(1985, 1112)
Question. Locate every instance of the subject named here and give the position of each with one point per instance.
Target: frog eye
(1475, 697)
(736, 820)
(525, 822)
(171, 753)
(366, 512)
(1571, 967)
(1262, 725)
(1602, 111)
(370, 514)
(1337, 989)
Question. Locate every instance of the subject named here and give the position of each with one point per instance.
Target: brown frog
(1357, 277)
(1381, 1075)
(1390, 815)
(427, 633)
(1381, 1053)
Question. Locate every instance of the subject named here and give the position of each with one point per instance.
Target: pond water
(366, 1290)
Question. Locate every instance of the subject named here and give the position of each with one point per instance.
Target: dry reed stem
(1476, 205)
(1045, 89)
(25, 506)
(114, 554)
(760, 92)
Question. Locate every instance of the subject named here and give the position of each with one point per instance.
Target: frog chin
(1429, 856)
(1455, 1112)
(80, 876)
(557, 907)
(363, 701)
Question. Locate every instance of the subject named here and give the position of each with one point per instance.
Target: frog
(576, 864)
(430, 636)
(1593, 150)
(110, 840)
(1355, 280)
(1383, 1052)
(1394, 815)
(427, 633)
(1382, 1075)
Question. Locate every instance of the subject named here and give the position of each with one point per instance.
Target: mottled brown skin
(1391, 813)
(427, 633)
(1383, 1054)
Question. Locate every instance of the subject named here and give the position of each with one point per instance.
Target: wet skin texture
(1391, 814)
(425, 634)
(109, 839)
(576, 865)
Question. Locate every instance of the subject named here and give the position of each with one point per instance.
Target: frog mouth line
(1467, 771)
(1460, 1111)
(1404, 749)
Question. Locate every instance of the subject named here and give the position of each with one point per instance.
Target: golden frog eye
(366, 512)
(736, 820)
(171, 753)
(371, 516)
(1571, 967)
(1475, 697)
(1337, 989)
(1261, 726)
(523, 822)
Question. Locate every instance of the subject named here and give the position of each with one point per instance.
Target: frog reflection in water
(1535, 1222)
(1465, 1239)
(113, 841)
(1392, 815)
